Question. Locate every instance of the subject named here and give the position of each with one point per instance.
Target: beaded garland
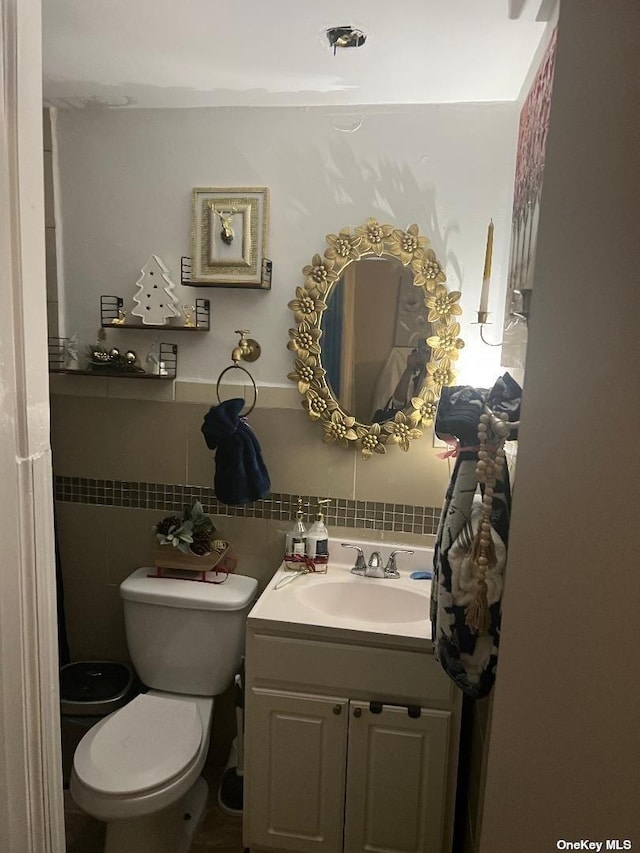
(489, 467)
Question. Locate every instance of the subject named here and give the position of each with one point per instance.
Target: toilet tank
(186, 636)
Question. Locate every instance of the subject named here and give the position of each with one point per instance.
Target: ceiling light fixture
(345, 37)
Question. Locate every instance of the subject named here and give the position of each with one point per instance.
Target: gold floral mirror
(376, 336)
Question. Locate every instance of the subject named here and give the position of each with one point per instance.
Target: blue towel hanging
(241, 476)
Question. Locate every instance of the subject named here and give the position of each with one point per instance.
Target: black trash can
(89, 691)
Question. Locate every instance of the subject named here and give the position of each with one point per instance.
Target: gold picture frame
(229, 236)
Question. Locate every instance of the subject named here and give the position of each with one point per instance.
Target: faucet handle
(391, 570)
(361, 565)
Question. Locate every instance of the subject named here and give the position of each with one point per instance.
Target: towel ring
(244, 370)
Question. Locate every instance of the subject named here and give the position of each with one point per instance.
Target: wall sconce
(515, 317)
(521, 300)
(518, 314)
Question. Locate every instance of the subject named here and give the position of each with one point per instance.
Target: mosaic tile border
(167, 497)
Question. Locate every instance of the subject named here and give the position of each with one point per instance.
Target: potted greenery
(188, 541)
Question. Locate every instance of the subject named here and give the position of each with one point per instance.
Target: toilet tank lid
(235, 593)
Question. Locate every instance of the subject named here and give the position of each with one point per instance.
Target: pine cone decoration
(172, 521)
(201, 544)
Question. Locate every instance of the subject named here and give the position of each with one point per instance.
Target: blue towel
(241, 476)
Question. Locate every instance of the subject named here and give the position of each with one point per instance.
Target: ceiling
(194, 53)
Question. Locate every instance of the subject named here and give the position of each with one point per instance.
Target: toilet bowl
(140, 762)
(139, 768)
(143, 757)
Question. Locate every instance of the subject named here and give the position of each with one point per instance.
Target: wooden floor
(218, 831)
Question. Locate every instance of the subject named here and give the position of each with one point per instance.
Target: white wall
(565, 740)
(126, 178)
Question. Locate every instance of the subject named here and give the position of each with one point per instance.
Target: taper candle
(486, 276)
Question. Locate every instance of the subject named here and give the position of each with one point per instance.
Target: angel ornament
(152, 361)
(71, 353)
(187, 311)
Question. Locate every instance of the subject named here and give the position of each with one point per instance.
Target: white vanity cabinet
(334, 761)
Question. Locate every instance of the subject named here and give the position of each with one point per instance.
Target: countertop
(292, 608)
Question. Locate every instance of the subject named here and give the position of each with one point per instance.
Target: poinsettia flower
(304, 340)
(320, 274)
(343, 247)
(406, 244)
(446, 343)
(439, 373)
(319, 402)
(305, 371)
(442, 304)
(373, 236)
(427, 270)
(371, 440)
(306, 307)
(424, 408)
(339, 427)
(401, 431)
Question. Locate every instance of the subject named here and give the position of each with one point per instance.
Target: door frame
(31, 805)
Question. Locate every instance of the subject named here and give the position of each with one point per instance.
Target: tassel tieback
(491, 461)
(476, 615)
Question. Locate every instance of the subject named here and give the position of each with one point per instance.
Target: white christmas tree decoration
(155, 300)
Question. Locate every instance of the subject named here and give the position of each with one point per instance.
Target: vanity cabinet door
(396, 780)
(296, 756)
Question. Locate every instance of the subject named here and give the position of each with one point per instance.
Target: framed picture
(229, 236)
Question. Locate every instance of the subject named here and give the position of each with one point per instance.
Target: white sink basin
(340, 605)
(377, 601)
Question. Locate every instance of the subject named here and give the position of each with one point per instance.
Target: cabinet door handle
(337, 710)
(357, 712)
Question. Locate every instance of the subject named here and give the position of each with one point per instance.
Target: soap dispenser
(318, 540)
(296, 542)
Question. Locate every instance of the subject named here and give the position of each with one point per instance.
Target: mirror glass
(374, 346)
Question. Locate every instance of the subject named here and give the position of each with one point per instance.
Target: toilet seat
(151, 741)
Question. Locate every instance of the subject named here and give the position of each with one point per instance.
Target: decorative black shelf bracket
(112, 317)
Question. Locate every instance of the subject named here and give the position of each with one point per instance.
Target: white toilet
(139, 768)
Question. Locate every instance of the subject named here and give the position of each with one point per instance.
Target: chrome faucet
(374, 566)
(373, 569)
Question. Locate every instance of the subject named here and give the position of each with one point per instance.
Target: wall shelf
(266, 275)
(167, 359)
(111, 306)
(113, 374)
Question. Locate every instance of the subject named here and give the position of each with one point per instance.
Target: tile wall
(173, 497)
(122, 463)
